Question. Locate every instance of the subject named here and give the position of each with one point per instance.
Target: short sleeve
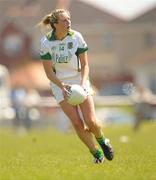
(44, 53)
(82, 46)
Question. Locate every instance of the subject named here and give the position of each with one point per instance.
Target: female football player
(64, 57)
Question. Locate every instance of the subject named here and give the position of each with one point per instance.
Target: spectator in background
(142, 98)
(32, 101)
(24, 102)
(19, 95)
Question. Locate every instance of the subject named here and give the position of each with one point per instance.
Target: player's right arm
(48, 68)
(47, 62)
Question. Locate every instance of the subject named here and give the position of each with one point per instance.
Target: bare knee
(93, 124)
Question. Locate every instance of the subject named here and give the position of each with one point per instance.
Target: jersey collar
(52, 37)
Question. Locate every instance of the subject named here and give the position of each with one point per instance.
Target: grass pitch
(49, 155)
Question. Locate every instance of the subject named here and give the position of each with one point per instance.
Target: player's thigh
(71, 112)
(88, 109)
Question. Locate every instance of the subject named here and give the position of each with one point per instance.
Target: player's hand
(66, 90)
(84, 86)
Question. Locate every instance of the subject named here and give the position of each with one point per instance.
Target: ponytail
(46, 20)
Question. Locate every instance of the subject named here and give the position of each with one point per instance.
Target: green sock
(98, 153)
(101, 140)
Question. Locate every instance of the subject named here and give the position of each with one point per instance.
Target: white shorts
(57, 91)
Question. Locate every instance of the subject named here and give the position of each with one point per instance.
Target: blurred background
(121, 38)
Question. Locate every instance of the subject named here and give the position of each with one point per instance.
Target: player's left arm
(84, 68)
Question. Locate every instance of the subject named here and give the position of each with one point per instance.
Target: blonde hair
(52, 18)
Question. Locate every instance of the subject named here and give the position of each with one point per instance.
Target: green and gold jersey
(63, 53)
